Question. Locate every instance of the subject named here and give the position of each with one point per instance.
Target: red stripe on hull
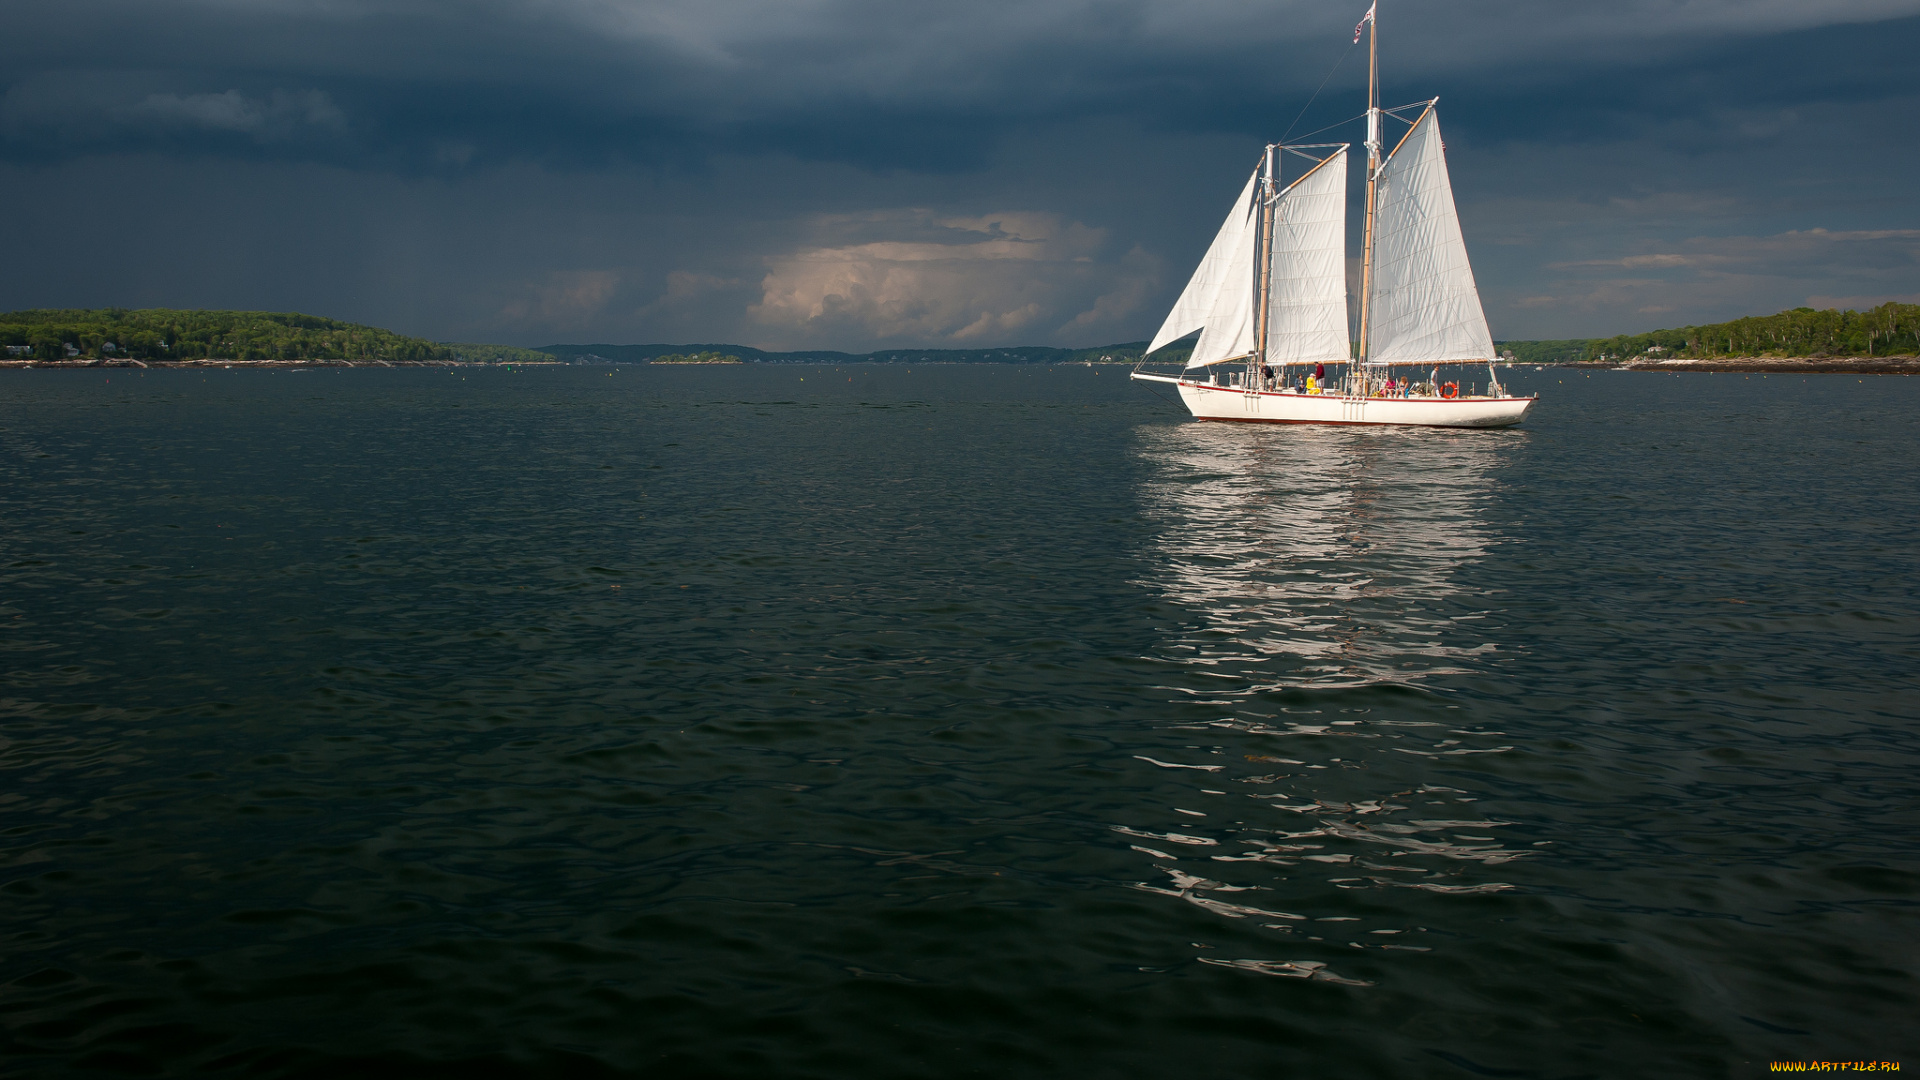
(1347, 423)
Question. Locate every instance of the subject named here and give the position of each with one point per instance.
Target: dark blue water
(952, 721)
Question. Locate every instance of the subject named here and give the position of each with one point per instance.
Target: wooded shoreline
(76, 364)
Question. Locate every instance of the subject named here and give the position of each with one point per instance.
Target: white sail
(1425, 307)
(1307, 301)
(1225, 273)
(1230, 332)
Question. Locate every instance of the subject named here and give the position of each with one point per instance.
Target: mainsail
(1307, 301)
(1218, 299)
(1425, 308)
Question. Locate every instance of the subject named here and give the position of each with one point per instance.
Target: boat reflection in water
(1322, 573)
(1322, 556)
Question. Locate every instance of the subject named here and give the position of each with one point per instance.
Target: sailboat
(1269, 298)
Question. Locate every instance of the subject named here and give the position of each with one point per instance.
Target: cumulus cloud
(961, 281)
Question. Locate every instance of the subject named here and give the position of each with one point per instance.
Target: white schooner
(1271, 293)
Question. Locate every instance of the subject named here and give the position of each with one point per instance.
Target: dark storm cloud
(856, 173)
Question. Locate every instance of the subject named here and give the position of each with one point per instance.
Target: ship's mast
(1373, 167)
(1256, 364)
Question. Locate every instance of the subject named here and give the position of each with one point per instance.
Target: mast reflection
(1317, 556)
(1321, 821)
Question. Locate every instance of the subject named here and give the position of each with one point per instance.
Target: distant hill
(1530, 352)
(1022, 354)
(169, 335)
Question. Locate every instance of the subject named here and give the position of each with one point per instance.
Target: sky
(869, 174)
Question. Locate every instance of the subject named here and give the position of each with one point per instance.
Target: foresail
(1307, 304)
(1228, 261)
(1425, 307)
(1230, 334)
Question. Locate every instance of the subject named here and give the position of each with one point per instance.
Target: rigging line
(1322, 86)
(1330, 127)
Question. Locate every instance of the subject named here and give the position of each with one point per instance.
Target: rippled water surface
(945, 721)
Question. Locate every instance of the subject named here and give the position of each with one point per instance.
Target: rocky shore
(1771, 365)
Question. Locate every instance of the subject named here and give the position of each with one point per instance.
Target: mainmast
(1373, 168)
(1256, 364)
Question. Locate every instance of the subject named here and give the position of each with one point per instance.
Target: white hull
(1209, 402)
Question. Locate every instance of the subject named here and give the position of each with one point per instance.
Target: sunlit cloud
(988, 280)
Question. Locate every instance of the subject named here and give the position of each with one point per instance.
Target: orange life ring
(1450, 390)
